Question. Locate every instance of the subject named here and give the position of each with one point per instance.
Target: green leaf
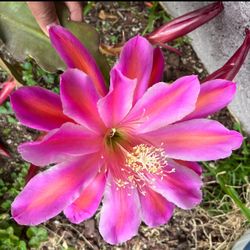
(23, 37)
(31, 232)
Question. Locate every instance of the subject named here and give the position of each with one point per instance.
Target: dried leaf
(104, 16)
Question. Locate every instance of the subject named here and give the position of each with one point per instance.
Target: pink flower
(135, 144)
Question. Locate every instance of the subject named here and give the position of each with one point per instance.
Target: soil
(194, 229)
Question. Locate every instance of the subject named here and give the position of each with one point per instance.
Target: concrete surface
(216, 41)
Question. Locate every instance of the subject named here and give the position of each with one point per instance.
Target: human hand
(45, 13)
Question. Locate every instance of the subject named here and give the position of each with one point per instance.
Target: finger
(44, 13)
(75, 9)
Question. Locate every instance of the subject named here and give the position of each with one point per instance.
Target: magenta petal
(120, 214)
(38, 108)
(87, 203)
(49, 192)
(136, 62)
(79, 99)
(191, 165)
(60, 144)
(156, 210)
(214, 95)
(158, 67)
(118, 102)
(75, 55)
(196, 140)
(164, 104)
(180, 186)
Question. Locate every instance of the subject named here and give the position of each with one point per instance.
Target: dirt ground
(194, 229)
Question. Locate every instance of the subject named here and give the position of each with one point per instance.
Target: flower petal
(191, 165)
(60, 144)
(79, 99)
(136, 61)
(196, 140)
(118, 102)
(156, 210)
(164, 104)
(214, 95)
(49, 192)
(180, 186)
(75, 55)
(87, 203)
(158, 67)
(120, 214)
(38, 108)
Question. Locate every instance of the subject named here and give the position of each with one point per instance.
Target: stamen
(146, 158)
(141, 167)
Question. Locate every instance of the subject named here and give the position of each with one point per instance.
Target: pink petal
(60, 144)
(158, 67)
(87, 203)
(118, 102)
(120, 214)
(79, 99)
(136, 61)
(180, 186)
(5, 90)
(75, 55)
(196, 140)
(192, 165)
(164, 104)
(156, 210)
(214, 95)
(49, 192)
(38, 108)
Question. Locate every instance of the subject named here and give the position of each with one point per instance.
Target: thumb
(44, 13)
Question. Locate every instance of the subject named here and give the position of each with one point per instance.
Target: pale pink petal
(38, 108)
(156, 210)
(49, 192)
(60, 144)
(158, 67)
(85, 206)
(196, 140)
(120, 214)
(192, 165)
(214, 95)
(75, 55)
(79, 99)
(180, 185)
(164, 104)
(136, 62)
(118, 102)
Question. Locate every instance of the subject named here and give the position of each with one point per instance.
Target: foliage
(155, 14)
(33, 74)
(13, 236)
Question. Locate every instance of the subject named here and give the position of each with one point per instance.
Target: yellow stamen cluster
(146, 158)
(142, 164)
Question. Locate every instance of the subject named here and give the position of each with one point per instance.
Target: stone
(216, 41)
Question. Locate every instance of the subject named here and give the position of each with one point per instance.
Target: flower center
(146, 158)
(142, 165)
(112, 137)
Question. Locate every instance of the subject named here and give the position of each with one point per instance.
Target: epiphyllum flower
(135, 144)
